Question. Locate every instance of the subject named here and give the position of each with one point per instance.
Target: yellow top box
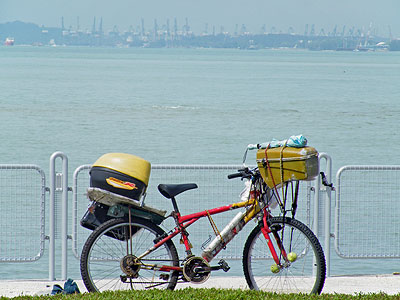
(287, 163)
(127, 164)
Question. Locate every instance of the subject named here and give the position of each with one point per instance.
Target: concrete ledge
(388, 284)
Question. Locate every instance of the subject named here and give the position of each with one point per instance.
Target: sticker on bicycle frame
(120, 184)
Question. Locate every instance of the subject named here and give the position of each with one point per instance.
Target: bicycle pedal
(224, 265)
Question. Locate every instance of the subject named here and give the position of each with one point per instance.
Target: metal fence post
(52, 233)
(327, 213)
(64, 212)
(316, 213)
(75, 209)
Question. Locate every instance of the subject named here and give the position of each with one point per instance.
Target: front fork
(266, 231)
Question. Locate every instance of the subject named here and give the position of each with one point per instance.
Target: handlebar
(235, 175)
(244, 173)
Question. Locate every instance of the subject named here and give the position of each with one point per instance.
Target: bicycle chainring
(196, 270)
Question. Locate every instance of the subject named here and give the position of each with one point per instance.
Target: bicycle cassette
(130, 265)
(196, 270)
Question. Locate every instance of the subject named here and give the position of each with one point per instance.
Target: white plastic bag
(244, 195)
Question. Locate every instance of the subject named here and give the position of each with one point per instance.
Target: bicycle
(281, 254)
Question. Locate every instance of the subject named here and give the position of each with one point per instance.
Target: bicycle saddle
(171, 190)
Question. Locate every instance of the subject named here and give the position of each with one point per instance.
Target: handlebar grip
(235, 175)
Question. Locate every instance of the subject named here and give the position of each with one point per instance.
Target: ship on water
(9, 41)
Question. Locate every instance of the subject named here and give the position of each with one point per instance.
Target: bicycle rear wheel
(108, 263)
(305, 273)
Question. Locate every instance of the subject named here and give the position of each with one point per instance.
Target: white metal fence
(367, 223)
(22, 214)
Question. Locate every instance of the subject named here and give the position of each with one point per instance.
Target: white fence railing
(366, 222)
(367, 219)
(22, 213)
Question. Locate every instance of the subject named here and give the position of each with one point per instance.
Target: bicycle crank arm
(222, 264)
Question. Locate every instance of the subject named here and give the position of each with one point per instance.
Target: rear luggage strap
(281, 204)
(281, 167)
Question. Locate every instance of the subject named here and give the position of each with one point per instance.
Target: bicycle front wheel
(303, 272)
(109, 257)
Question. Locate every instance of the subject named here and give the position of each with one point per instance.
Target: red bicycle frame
(185, 221)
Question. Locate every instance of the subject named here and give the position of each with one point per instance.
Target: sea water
(194, 106)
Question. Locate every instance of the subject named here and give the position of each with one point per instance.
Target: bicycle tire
(306, 274)
(105, 253)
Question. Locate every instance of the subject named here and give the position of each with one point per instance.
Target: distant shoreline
(196, 48)
(30, 34)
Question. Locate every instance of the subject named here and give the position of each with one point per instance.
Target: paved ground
(389, 284)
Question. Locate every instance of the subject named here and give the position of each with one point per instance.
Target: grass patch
(208, 294)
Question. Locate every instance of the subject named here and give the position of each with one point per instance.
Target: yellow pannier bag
(283, 164)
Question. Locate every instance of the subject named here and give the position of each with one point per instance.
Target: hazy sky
(253, 13)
